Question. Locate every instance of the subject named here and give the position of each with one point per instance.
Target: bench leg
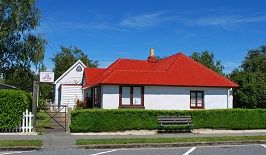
(190, 128)
(160, 129)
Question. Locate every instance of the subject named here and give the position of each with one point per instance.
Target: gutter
(228, 95)
(156, 145)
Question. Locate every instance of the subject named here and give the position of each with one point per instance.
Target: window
(131, 97)
(137, 95)
(79, 69)
(196, 99)
(126, 95)
(97, 97)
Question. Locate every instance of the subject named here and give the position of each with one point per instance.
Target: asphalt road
(258, 149)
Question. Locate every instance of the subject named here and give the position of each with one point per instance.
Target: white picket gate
(26, 125)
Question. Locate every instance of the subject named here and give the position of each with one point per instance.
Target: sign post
(47, 77)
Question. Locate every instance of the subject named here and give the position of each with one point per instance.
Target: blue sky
(109, 29)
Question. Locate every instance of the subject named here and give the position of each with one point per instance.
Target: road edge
(20, 148)
(185, 144)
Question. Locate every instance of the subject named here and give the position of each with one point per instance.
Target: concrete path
(58, 139)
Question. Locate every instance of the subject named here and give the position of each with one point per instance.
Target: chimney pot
(152, 52)
(152, 58)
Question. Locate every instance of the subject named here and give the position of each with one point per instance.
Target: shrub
(80, 104)
(12, 104)
(98, 120)
(42, 104)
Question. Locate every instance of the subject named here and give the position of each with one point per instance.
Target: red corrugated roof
(175, 70)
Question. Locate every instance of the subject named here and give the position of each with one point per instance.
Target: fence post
(27, 121)
(30, 122)
(23, 122)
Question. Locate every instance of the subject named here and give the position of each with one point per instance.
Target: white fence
(26, 125)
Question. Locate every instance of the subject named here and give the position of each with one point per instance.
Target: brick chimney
(152, 58)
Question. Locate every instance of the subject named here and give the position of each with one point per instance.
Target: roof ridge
(174, 61)
(121, 70)
(108, 69)
(99, 74)
(131, 59)
(95, 68)
(209, 70)
(108, 74)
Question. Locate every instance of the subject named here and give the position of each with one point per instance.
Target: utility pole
(35, 99)
(34, 104)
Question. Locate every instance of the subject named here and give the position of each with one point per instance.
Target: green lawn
(18, 143)
(166, 140)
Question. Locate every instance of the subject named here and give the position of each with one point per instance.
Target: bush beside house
(12, 104)
(97, 120)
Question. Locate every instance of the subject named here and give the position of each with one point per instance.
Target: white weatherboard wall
(171, 98)
(71, 76)
(70, 94)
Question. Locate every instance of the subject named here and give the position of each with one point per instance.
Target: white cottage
(173, 83)
(68, 87)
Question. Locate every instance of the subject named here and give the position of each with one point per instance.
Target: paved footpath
(66, 140)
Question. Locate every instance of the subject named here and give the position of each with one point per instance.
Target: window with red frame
(131, 97)
(196, 99)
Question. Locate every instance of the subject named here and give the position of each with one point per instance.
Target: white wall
(171, 98)
(72, 77)
(178, 98)
(110, 97)
(166, 98)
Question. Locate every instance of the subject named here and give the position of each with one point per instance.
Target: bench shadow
(173, 131)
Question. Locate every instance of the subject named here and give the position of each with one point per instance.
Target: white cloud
(148, 20)
(225, 20)
(50, 25)
(141, 21)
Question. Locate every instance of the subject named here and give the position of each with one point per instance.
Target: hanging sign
(47, 77)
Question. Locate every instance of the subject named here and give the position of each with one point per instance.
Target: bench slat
(176, 121)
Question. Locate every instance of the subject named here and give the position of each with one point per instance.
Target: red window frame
(196, 98)
(131, 97)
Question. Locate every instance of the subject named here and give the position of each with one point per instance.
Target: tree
(207, 58)
(255, 61)
(251, 78)
(21, 77)
(67, 57)
(252, 89)
(20, 46)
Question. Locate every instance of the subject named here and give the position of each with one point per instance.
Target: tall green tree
(21, 47)
(255, 61)
(251, 78)
(207, 58)
(67, 57)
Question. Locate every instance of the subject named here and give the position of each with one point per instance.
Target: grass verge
(166, 140)
(20, 143)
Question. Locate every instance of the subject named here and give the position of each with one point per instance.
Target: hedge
(12, 104)
(97, 120)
